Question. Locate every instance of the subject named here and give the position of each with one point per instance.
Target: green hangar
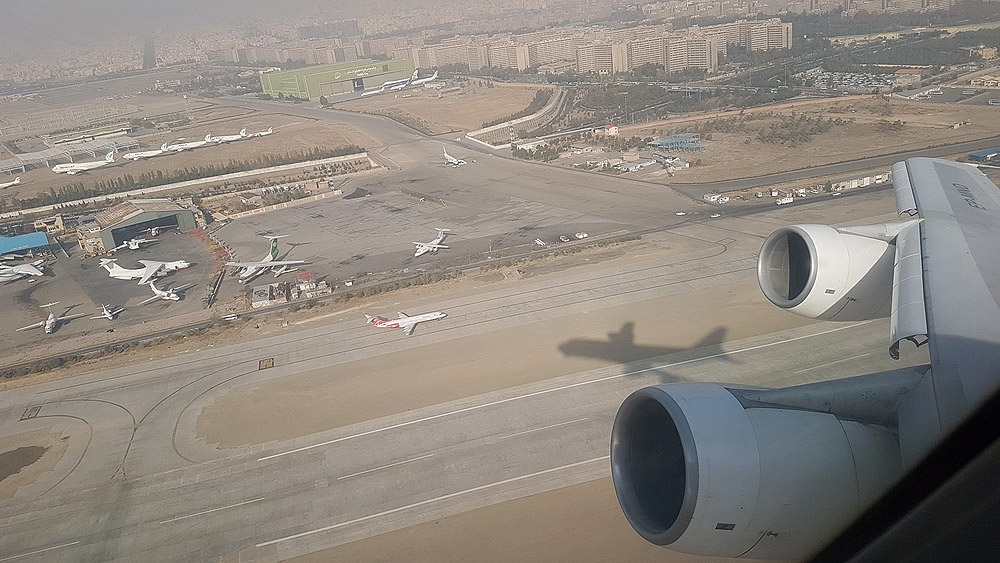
(134, 219)
(341, 78)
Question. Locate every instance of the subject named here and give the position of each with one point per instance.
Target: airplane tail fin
(243, 132)
(163, 147)
(17, 180)
(434, 76)
(208, 137)
(110, 157)
(374, 320)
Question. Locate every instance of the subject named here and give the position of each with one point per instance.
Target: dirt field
(533, 528)
(291, 134)
(26, 457)
(867, 132)
(466, 110)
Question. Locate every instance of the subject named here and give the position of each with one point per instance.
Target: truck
(784, 200)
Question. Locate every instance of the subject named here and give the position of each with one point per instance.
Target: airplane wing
(29, 269)
(408, 329)
(182, 287)
(264, 264)
(71, 317)
(762, 473)
(150, 269)
(150, 300)
(39, 324)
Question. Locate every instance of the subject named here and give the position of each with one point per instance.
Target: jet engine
(702, 471)
(825, 273)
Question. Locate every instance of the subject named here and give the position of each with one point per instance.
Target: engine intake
(821, 272)
(698, 472)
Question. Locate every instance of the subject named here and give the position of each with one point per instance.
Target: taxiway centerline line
(553, 390)
(542, 428)
(211, 510)
(429, 501)
(386, 466)
(13, 557)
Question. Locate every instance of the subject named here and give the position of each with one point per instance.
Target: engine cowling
(697, 472)
(821, 272)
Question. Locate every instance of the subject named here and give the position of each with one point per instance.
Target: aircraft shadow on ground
(620, 348)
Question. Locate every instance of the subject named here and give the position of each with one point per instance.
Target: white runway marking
(211, 510)
(833, 362)
(554, 389)
(13, 557)
(542, 428)
(429, 501)
(386, 466)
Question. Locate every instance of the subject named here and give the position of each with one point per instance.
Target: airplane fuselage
(77, 167)
(407, 321)
(15, 182)
(141, 155)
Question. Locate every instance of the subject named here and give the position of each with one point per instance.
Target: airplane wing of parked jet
(149, 271)
(774, 473)
(39, 324)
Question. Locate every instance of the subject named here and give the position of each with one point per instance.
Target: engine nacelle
(821, 272)
(697, 472)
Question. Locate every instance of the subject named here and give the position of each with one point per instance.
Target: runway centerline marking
(834, 362)
(386, 466)
(13, 557)
(211, 510)
(557, 425)
(553, 390)
(430, 500)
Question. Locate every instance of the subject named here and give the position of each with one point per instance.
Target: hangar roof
(23, 242)
(123, 211)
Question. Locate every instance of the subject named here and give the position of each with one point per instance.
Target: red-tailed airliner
(405, 322)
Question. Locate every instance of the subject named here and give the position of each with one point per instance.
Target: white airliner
(15, 182)
(371, 92)
(452, 161)
(226, 138)
(405, 322)
(133, 156)
(253, 269)
(261, 133)
(131, 244)
(420, 81)
(14, 273)
(399, 85)
(155, 231)
(165, 294)
(52, 322)
(108, 313)
(77, 167)
(432, 246)
(150, 269)
(178, 147)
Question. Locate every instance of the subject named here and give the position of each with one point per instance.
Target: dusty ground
(454, 111)
(540, 524)
(363, 390)
(26, 457)
(730, 156)
(292, 134)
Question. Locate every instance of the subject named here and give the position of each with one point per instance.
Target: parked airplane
(420, 81)
(405, 322)
(150, 269)
(131, 244)
(52, 322)
(14, 273)
(432, 246)
(452, 161)
(15, 182)
(77, 167)
(776, 473)
(133, 156)
(371, 92)
(399, 85)
(261, 133)
(108, 313)
(226, 138)
(178, 147)
(253, 269)
(165, 294)
(155, 231)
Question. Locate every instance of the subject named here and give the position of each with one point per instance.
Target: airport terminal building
(132, 219)
(329, 80)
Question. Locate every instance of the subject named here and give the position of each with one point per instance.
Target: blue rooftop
(23, 242)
